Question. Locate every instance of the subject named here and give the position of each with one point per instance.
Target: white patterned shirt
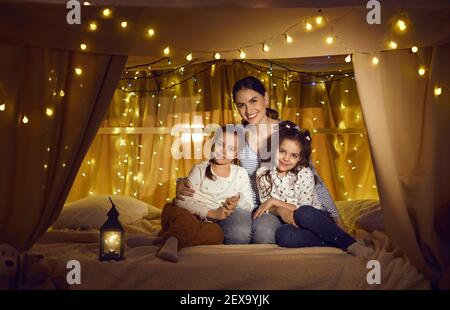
(293, 188)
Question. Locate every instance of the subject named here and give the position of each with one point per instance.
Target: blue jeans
(240, 228)
(316, 229)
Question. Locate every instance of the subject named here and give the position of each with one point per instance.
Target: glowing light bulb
(78, 71)
(189, 57)
(242, 54)
(124, 24)
(437, 91)
(414, 49)
(308, 26)
(421, 71)
(348, 58)
(25, 120)
(401, 25)
(2, 107)
(265, 48)
(92, 26)
(319, 20)
(83, 46)
(393, 45)
(151, 32)
(166, 51)
(106, 12)
(329, 40)
(49, 112)
(216, 55)
(86, 3)
(288, 38)
(375, 60)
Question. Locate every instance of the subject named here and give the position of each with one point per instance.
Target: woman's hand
(265, 206)
(231, 202)
(287, 216)
(184, 188)
(219, 214)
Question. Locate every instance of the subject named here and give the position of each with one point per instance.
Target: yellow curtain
(51, 105)
(131, 154)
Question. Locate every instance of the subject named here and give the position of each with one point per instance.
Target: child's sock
(169, 250)
(358, 248)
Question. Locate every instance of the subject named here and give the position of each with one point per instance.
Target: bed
(230, 267)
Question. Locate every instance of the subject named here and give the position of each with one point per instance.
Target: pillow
(364, 214)
(91, 212)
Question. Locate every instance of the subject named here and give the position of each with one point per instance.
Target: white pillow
(91, 212)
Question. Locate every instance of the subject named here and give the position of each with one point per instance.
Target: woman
(252, 101)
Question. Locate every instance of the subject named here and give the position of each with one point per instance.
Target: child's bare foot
(169, 250)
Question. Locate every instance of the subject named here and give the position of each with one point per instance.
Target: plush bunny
(9, 262)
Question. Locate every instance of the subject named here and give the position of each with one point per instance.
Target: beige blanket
(228, 267)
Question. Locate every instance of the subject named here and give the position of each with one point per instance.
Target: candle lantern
(112, 237)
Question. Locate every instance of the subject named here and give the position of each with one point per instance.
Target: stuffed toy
(9, 264)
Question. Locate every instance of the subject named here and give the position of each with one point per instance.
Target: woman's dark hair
(288, 130)
(219, 133)
(250, 82)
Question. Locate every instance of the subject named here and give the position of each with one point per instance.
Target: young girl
(288, 191)
(220, 187)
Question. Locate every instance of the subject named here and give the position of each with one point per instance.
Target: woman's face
(288, 156)
(225, 148)
(251, 105)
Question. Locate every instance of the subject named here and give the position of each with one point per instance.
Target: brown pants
(188, 228)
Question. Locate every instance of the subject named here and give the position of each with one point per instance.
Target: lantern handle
(111, 200)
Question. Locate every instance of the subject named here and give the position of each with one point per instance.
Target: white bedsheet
(228, 267)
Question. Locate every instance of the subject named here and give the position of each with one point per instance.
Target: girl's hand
(266, 205)
(231, 202)
(184, 188)
(287, 216)
(219, 214)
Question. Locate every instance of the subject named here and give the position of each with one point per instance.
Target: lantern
(112, 237)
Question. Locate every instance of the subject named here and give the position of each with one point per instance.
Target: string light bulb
(93, 26)
(2, 107)
(288, 38)
(329, 40)
(107, 12)
(265, 48)
(49, 112)
(421, 71)
(401, 25)
(83, 46)
(166, 51)
(437, 91)
(124, 24)
(25, 119)
(319, 20)
(308, 26)
(151, 32)
(414, 49)
(217, 55)
(78, 71)
(375, 60)
(86, 3)
(189, 57)
(393, 44)
(242, 54)
(348, 58)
